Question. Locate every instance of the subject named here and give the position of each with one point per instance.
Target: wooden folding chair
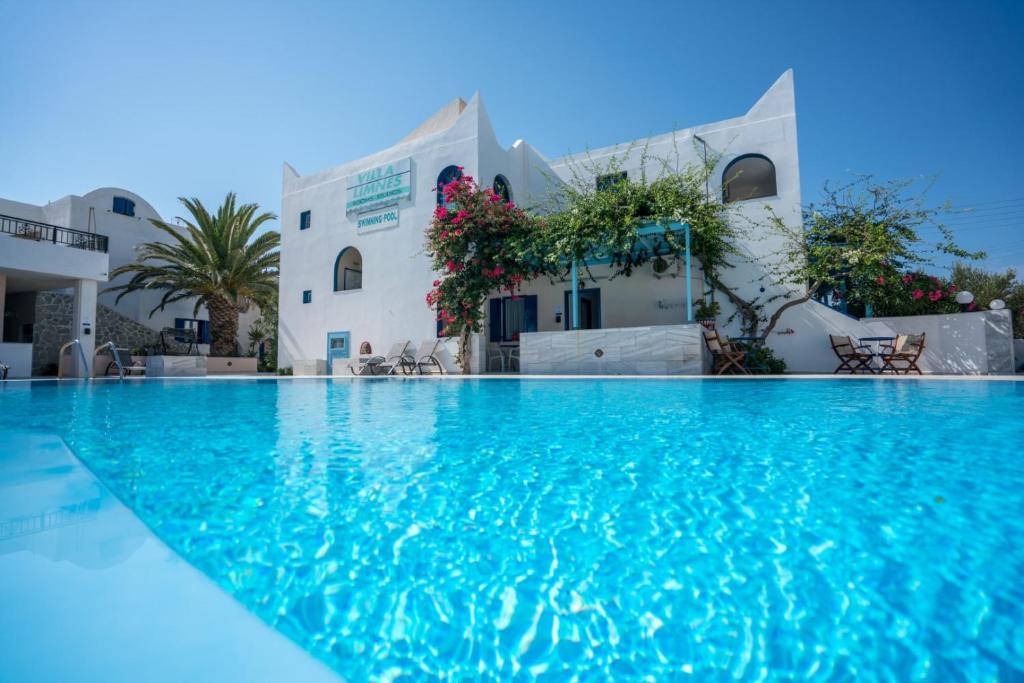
(851, 358)
(727, 358)
(906, 351)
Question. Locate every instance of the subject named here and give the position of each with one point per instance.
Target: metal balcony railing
(43, 232)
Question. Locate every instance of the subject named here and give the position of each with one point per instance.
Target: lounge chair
(906, 351)
(852, 358)
(129, 366)
(727, 357)
(433, 356)
(399, 356)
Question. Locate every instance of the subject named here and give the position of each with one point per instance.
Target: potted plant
(706, 313)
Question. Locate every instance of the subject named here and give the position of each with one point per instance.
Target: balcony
(54, 234)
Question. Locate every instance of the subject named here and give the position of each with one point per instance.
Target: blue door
(337, 349)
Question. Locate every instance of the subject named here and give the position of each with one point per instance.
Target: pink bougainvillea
(917, 294)
(480, 245)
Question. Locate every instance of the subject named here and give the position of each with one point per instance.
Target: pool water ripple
(603, 529)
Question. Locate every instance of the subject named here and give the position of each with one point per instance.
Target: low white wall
(956, 344)
(18, 357)
(979, 343)
(655, 350)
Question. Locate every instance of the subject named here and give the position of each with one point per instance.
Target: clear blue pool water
(706, 530)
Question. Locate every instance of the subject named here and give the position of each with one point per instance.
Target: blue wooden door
(337, 348)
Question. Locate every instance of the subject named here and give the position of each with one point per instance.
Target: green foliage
(914, 293)
(761, 360)
(481, 244)
(587, 223)
(264, 330)
(216, 258)
(987, 286)
(707, 311)
(862, 233)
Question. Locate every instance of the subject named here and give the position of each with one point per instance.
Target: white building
(353, 266)
(71, 245)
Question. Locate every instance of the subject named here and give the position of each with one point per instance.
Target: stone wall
(52, 328)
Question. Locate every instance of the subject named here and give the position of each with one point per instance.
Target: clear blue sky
(198, 98)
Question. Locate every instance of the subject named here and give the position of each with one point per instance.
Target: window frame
(126, 206)
(305, 219)
(743, 157)
(345, 271)
(307, 296)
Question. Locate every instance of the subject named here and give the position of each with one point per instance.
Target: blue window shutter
(495, 319)
(530, 313)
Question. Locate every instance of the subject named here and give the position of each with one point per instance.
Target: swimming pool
(752, 530)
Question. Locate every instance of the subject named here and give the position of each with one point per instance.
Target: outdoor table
(876, 349)
(751, 344)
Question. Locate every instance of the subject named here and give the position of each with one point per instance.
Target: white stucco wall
(397, 273)
(124, 233)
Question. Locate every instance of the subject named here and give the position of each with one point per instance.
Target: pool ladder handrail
(116, 356)
(81, 351)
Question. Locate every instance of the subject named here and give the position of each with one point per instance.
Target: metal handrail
(81, 351)
(44, 232)
(116, 356)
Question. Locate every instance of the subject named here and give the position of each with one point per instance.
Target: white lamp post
(997, 304)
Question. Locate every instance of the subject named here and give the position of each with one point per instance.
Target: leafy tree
(987, 286)
(263, 330)
(480, 243)
(214, 258)
(859, 236)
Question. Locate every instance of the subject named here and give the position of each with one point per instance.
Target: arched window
(502, 187)
(748, 177)
(449, 174)
(348, 270)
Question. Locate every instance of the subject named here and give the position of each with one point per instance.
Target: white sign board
(378, 186)
(378, 220)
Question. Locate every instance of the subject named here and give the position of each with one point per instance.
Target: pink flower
(498, 270)
(495, 197)
(443, 235)
(458, 232)
(451, 267)
(952, 289)
(917, 294)
(440, 212)
(971, 306)
(461, 168)
(880, 280)
(934, 295)
(437, 283)
(511, 205)
(907, 279)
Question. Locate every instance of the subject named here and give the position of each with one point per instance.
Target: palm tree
(213, 258)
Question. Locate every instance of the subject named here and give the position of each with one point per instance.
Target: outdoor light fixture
(997, 304)
(965, 299)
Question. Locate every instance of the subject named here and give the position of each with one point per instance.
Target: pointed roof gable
(443, 119)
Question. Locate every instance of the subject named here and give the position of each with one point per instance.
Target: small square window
(307, 296)
(610, 180)
(304, 219)
(124, 206)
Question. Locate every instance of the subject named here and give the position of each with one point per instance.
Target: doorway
(337, 348)
(590, 309)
